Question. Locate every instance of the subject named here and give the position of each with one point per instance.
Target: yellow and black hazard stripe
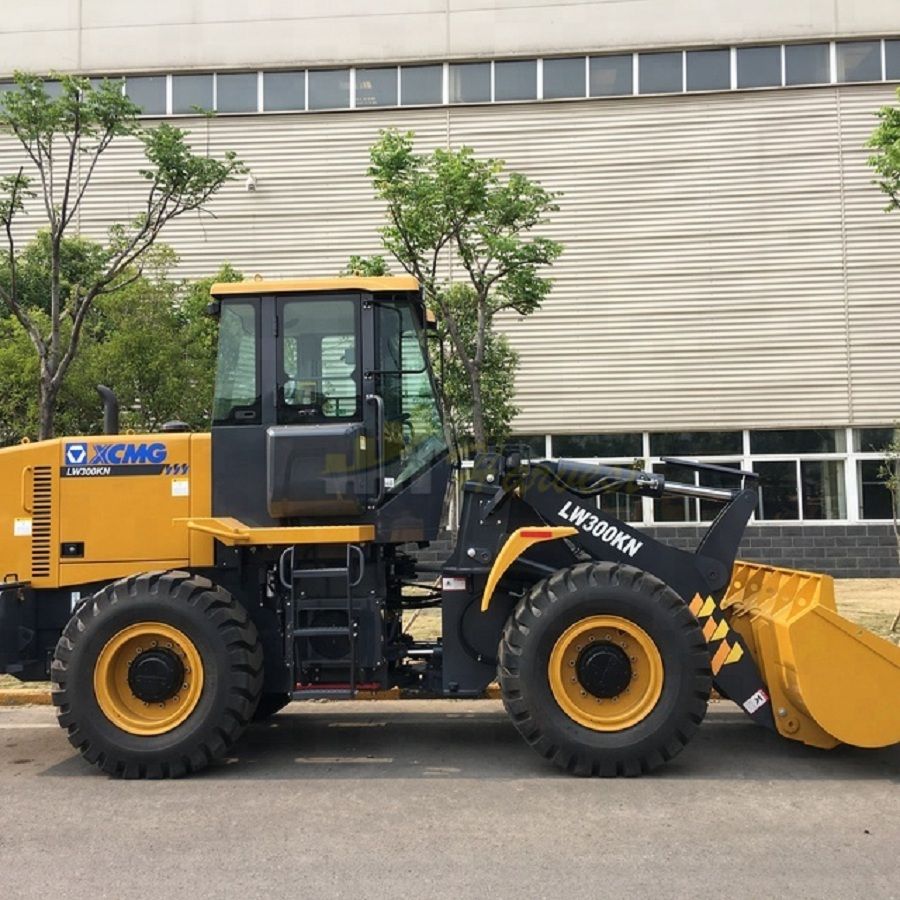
(724, 646)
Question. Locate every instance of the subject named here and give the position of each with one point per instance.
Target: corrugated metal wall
(727, 261)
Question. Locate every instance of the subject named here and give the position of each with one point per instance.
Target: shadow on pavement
(323, 742)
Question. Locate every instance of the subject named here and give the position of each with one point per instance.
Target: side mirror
(214, 308)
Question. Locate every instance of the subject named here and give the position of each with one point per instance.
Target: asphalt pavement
(443, 799)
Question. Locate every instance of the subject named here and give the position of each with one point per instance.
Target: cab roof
(373, 285)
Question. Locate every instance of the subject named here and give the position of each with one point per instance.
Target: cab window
(413, 431)
(319, 378)
(237, 399)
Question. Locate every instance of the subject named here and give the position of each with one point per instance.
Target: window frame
(848, 456)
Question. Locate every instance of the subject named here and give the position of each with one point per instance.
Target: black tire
(568, 597)
(228, 647)
(269, 705)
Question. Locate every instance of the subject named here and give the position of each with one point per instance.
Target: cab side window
(237, 399)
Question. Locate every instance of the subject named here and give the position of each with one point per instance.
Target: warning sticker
(22, 527)
(181, 487)
(454, 584)
(757, 701)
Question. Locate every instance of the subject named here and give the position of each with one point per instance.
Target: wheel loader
(175, 586)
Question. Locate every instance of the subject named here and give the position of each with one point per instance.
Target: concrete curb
(25, 697)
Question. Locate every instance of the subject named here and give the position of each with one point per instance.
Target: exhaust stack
(110, 409)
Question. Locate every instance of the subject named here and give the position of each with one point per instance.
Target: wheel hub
(603, 669)
(606, 673)
(148, 678)
(156, 675)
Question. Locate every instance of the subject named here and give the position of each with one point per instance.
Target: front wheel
(157, 675)
(604, 670)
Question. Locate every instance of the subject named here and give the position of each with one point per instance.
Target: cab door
(317, 451)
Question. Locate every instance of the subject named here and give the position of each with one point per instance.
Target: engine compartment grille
(42, 521)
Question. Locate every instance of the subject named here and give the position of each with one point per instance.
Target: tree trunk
(478, 432)
(48, 397)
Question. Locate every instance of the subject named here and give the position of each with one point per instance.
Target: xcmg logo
(116, 454)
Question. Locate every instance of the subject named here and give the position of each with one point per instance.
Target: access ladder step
(321, 573)
(331, 631)
(315, 693)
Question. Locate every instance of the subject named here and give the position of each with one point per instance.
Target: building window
(797, 440)
(602, 446)
(696, 443)
(659, 73)
(626, 507)
(874, 440)
(149, 93)
(611, 76)
(236, 92)
(535, 444)
(421, 85)
(777, 488)
(284, 91)
(806, 64)
(815, 487)
(329, 88)
(515, 80)
(822, 481)
(192, 93)
(859, 61)
(376, 87)
(470, 83)
(708, 70)
(564, 78)
(758, 67)
(892, 60)
(874, 497)
(692, 509)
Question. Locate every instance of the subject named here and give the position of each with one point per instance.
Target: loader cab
(325, 410)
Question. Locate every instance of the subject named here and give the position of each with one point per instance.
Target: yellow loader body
(830, 681)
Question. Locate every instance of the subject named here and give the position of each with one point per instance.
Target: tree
(497, 375)
(886, 162)
(150, 341)
(450, 205)
(367, 266)
(889, 473)
(64, 138)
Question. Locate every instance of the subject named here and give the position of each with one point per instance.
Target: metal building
(729, 284)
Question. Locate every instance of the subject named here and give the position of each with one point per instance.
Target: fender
(516, 544)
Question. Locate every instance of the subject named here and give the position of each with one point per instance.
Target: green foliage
(151, 342)
(450, 207)
(497, 376)
(367, 266)
(886, 162)
(18, 376)
(62, 137)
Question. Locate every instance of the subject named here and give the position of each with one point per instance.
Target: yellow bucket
(830, 681)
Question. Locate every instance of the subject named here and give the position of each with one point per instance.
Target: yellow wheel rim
(634, 702)
(114, 694)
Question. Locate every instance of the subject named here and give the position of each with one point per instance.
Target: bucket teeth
(830, 681)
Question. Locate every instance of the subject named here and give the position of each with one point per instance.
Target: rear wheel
(604, 670)
(157, 675)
